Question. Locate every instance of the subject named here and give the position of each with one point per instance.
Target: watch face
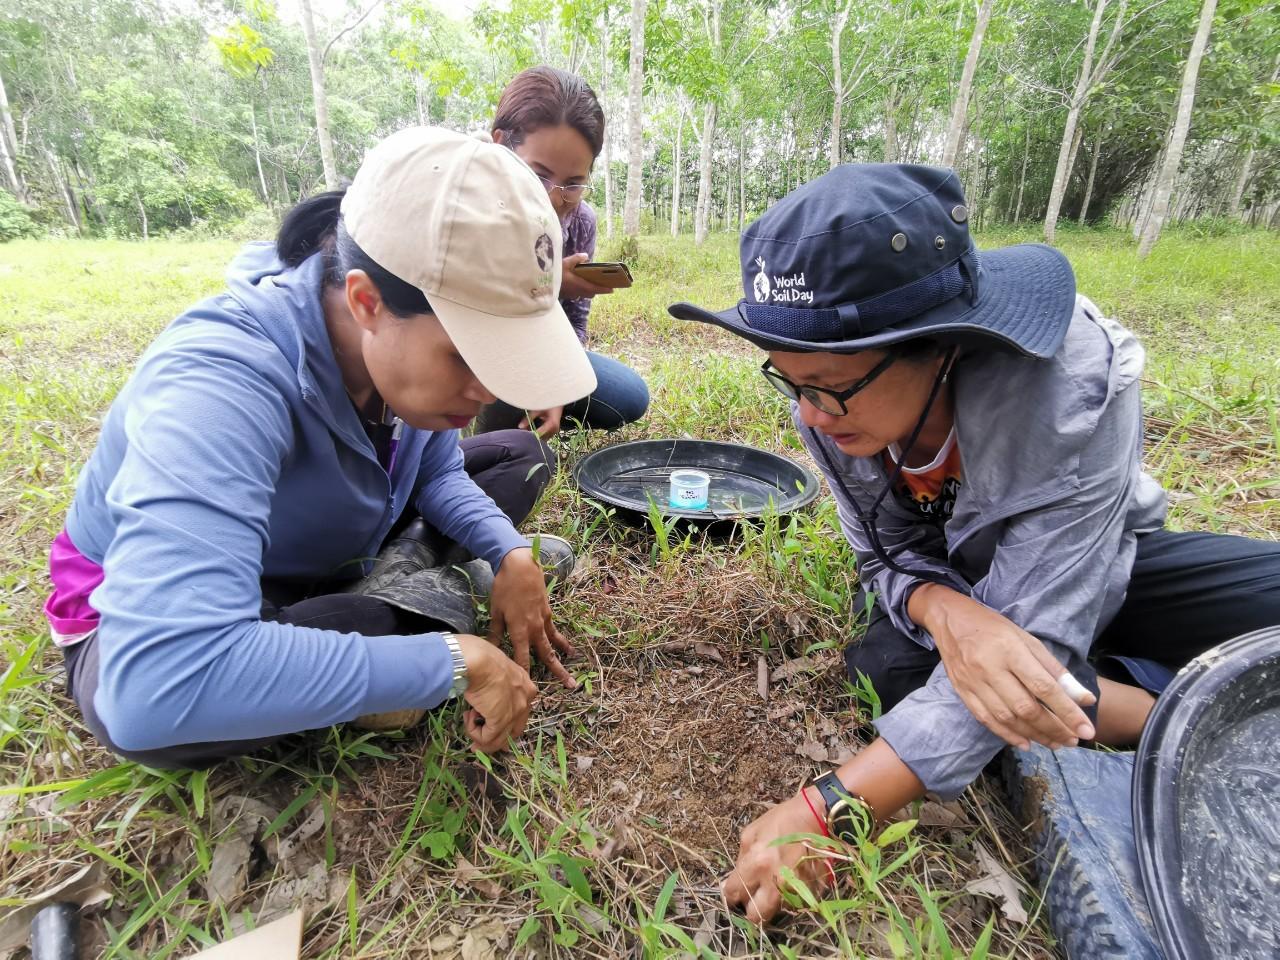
(848, 821)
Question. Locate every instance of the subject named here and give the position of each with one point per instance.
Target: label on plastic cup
(689, 490)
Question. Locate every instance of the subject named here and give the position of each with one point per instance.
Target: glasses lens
(823, 401)
(781, 384)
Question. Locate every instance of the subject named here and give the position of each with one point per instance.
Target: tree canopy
(131, 117)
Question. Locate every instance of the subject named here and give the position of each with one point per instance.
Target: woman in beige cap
(213, 587)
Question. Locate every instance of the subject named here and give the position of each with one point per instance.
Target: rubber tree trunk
(742, 179)
(1022, 177)
(9, 148)
(960, 109)
(635, 122)
(710, 114)
(64, 189)
(703, 212)
(1063, 170)
(604, 153)
(257, 154)
(891, 125)
(1142, 206)
(730, 203)
(675, 177)
(837, 86)
(318, 96)
(1178, 137)
(1242, 181)
(1088, 187)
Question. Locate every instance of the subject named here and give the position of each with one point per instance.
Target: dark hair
(547, 97)
(315, 226)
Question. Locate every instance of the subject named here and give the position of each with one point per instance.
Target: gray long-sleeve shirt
(1044, 527)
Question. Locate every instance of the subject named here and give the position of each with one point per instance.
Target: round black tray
(745, 481)
(1206, 804)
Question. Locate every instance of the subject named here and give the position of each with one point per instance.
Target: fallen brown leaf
(933, 814)
(997, 882)
(468, 873)
(709, 651)
(814, 750)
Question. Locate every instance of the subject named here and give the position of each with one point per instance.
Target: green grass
(622, 806)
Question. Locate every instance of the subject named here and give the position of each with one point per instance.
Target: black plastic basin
(745, 481)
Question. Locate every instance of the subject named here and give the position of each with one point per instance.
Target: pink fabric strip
(74, 577)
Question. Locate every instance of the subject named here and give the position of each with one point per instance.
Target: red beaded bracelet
(822, 824)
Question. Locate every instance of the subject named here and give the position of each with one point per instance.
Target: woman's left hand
(545, 423)
(574, 287)
(519, 608)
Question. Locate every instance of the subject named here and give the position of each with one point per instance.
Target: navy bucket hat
(872, 254)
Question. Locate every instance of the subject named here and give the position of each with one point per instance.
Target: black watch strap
(832, 790)
(842, 817)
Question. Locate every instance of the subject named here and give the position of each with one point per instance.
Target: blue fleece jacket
(233, 454)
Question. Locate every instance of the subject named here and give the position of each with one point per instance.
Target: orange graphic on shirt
(930, 493)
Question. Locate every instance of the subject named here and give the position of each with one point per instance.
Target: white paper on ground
(278, 940)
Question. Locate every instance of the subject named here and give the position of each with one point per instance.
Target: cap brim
(532, 363)
(1026, 299)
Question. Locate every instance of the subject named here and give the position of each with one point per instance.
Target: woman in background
(553, 122)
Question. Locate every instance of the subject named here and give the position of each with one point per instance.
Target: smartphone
(613, 275)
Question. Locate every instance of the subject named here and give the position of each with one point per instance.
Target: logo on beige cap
(544, 252)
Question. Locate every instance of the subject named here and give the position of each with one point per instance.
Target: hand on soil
(519, 608)
(499, 691)
(754, 885)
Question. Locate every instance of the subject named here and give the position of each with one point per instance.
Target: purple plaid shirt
(579, 237)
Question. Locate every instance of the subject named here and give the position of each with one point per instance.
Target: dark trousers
(502, 464)
(1188, 593)
(620, 397)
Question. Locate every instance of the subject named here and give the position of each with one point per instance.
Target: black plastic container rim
(1160, 754)
(792, 503)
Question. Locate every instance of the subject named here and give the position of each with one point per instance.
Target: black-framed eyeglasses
(825, 399)
(572, 192)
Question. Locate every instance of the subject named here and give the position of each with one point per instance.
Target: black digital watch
(847, 814)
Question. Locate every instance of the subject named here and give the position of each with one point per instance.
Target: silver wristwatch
(459, 666)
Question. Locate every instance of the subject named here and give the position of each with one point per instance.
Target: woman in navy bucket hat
(980, 426)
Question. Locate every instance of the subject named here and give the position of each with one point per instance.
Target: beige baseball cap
(469, 224)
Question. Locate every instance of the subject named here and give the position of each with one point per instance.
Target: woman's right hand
(500, 694)
(1006, 677)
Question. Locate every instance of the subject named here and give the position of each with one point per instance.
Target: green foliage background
(137, 117)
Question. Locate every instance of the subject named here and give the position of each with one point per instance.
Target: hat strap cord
(867, 520)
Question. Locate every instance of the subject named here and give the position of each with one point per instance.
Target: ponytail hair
(315, 226)
(309, 227)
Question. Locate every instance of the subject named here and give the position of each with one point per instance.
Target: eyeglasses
(572, 192)
(826, 400)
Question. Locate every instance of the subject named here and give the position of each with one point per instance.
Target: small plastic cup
(689, 490)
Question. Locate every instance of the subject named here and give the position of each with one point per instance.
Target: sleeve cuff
(495, 537)
(407, 672)
(939, 740)
(898, 611)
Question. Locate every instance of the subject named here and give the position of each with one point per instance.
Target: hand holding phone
(613, 275)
